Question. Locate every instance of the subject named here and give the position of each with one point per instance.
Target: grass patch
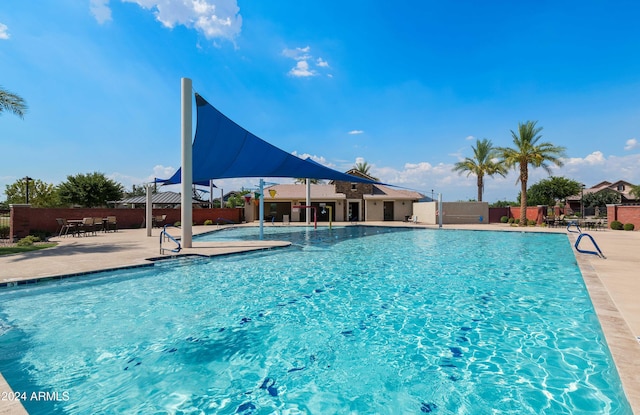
(7, 250)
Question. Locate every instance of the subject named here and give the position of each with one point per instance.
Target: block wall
(25, 219)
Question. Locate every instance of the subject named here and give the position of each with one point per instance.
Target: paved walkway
(613, 283)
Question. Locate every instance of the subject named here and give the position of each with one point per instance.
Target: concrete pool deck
(613, 283)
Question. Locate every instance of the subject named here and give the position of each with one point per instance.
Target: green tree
(364, 168)
(41, 194)
(12, 102)
(601, 199)
(635, 191)
(527, 151)
(551, 191)
(502, 203)
(482, 164)
(90, 190)
(139, 190)
(237, 199)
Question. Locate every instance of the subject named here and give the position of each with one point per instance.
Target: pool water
(357, 320)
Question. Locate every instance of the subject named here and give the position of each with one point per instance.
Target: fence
(25, 219)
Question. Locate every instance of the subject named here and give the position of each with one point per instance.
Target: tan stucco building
(344, 201)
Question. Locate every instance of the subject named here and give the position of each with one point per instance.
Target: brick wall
(535, 213)
(495, 214)
(624, 214)
(25, 219)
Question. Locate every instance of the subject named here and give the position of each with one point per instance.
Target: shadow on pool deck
(612, 283)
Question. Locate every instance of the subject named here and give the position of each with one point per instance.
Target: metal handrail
(580, 236)
(165, 234)
(599, 253)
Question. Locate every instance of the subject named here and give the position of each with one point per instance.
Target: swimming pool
(349, 320)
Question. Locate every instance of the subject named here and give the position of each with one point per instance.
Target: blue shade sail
(223, 150)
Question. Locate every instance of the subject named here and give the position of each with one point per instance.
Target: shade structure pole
(261, 213)
(308, 214)
(211, 194)
(149, 211)
(186, 216)
(439, 210)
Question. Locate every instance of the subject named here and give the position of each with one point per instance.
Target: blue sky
(406, 86)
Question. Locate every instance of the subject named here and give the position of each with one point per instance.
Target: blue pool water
(351, 320)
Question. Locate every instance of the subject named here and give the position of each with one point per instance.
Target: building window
(621, 188)
(354, 187)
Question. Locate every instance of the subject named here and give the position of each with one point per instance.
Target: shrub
(28, 240)
(40, 234)
(628, 226)
(4, 231)
(616, 225)
(511, 220)
(504, 219)
(208, 222)
(177, 224)
(532, 222)
(517, 221)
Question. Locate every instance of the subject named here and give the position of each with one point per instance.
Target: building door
(354, 212)
(388, 210)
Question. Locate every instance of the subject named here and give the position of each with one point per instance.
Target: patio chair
(87, 226)
(63, 227)
(98, 223)
(112, 224)
(158, 221)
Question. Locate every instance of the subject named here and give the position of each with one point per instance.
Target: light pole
(432, 195)
(26, 179)
(582, 202)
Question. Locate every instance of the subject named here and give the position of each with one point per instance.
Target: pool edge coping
(618, 334)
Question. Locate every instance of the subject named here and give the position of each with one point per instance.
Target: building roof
(386, 192)
(621, 186)
(159, 198)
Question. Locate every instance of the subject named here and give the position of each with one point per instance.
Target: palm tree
(364, 167)
(12, 102)
(527, 151)
(483, 163)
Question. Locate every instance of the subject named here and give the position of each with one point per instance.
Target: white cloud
(304, 59)
(322, 63)
(4, 31)
(301, 70)
(213, 18)
(161, 172)
(299, 54)
(470, 137)
(317, 159)
(595, 158)
(100, 10)
(355, 132)
(631, 144)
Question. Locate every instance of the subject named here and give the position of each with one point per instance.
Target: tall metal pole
(261, 209)
(439, 210)
(27, 189)
(186, 216)
(308, 201)
(149, 210)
